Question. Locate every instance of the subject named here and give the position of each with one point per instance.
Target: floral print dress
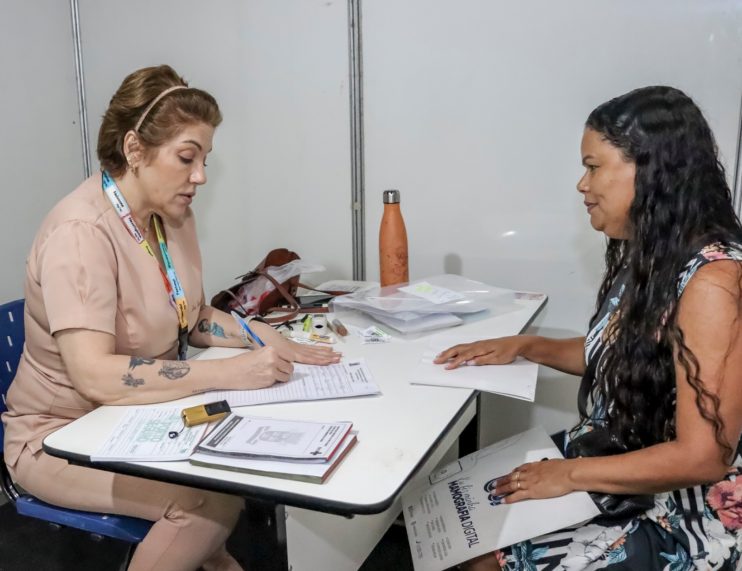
(698, 528)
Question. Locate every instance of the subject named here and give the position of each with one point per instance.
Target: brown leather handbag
(281, 299)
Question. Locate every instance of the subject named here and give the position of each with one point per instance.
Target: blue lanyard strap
(170, 277)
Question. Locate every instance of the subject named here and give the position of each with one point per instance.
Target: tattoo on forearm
(174, 369)
(130, 381)
(136, 361)
(211, 328)
(128, 378)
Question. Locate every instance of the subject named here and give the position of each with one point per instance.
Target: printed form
(143, 434)
(308, 382)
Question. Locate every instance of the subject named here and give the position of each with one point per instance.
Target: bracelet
(245, 338)
(249, 342)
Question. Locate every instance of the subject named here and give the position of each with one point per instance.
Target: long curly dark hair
(682, 203)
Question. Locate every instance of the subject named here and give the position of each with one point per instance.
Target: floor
(27, 544)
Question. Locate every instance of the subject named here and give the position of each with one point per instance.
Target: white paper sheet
(517, 379)
(308, 382)
(142, 435)
(276, 438)
(432, 293)
(454, 519)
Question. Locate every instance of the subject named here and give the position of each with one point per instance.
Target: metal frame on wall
(358, 190)
(80, 77)
(737, 187)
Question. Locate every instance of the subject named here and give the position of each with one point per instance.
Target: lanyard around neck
(170, 278)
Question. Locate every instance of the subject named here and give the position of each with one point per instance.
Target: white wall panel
(40, 149)
(474, 110)
(279, 174)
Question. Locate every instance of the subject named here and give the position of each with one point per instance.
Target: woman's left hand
(312, 354)
(296, 352)
(536, 480)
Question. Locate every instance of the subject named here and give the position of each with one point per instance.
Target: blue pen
(246, 327)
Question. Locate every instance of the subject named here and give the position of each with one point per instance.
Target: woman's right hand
(499, 351)
(260, 368)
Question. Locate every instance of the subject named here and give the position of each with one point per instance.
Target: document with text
(308, 382)
(516, 379)
(143, 434)
(259, 437)
(457, 516)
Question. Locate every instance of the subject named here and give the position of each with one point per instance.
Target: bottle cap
(391, 197)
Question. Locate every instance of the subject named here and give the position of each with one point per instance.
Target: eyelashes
(187, 161)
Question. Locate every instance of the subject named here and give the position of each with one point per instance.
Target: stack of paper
(299, 450)
(431, 303)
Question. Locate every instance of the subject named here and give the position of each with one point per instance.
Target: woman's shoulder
(720, 251)
(726, 256)
(84, 204)
(80, 213)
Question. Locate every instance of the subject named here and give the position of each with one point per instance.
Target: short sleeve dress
(688, 529)
(85, 271)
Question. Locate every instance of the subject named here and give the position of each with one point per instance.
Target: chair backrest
(12, 337)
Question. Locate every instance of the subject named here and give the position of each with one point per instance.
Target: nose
(198, 174)
(582, 185)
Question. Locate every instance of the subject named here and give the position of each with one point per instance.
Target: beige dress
(86, 272)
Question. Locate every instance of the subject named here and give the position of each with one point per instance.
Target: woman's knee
(213, 506)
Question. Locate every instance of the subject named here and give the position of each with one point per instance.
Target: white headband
(154, 102)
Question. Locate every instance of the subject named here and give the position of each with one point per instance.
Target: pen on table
(307, 327)
(250, 333)
(338, 327)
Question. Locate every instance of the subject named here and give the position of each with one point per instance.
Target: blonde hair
(136, 100)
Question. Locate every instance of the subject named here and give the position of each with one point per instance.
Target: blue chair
(128, 529)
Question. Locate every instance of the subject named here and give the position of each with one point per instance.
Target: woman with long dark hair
(660, 402)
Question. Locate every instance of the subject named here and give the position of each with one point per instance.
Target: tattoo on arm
(174, 369)
(170, 370)
(128, 378)
(211, 328)
(130, 381)
(136, 361)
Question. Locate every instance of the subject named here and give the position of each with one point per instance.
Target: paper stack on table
(299, 450)
(517, 379)
(431, 303)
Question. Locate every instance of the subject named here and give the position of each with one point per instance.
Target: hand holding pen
(308, 354)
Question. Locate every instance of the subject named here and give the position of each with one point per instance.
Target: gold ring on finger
(516, 476)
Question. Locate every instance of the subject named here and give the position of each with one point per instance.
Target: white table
(402, 433)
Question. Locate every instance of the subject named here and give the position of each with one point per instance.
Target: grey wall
(40, 153)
